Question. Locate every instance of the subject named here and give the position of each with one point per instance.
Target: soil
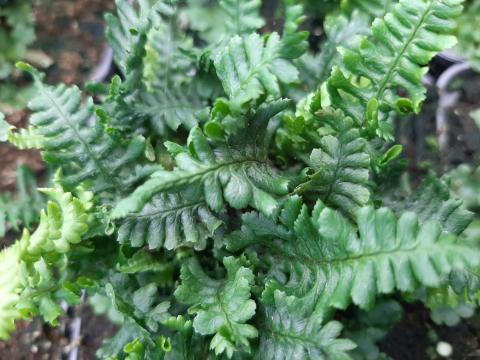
(416, 335)
(36, 341)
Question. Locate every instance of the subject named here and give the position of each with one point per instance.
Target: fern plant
(227, 196)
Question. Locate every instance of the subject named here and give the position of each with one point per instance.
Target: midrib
(87, 147)
(397, 59)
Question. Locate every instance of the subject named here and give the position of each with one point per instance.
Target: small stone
(444, 349)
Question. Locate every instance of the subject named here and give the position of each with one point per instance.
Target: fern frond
(160, 90)
(332, 263)
(17, 33)
(126, 31)
(24, 208)
(251, 66)
(291, 333)
(340, 31)
(62, 225)
(222, 307)
(217, 21)
(170, 220)
(433, 201)
(24, 138)
(242, 17)
(393, 60)
(10, 281)
(234, 170)
(28, 265)
(373, 8)
(341, 166)
(167, 109)
(84, 151)
(170, 98)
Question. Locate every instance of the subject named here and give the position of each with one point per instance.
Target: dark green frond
(233, 171)
(332, 263)
(73, 139)
(340, 166)
(222, 307)
(291, 333)
(170, 220)
(393, 60)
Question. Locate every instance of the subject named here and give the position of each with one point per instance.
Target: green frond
(126, 31)
(140, 307)
(332, 263)
(252, 66)
(24, 208)
(340, 31)
(433, 201)
(17, 33)
(222, 307)
(170, 220)
(340, 165)
(28, 266)
(170, 98)
(233, 171)
(291, 333)
(145, 261)
(219, 20)
(393, 60)
(84, 151)
(242, 17)
(10, 281)
(372, 8)
(168, 108)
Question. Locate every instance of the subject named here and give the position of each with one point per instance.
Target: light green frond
(222, 307)
(62, 225)
(24, 138)
(28, 266)
(10, 281)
